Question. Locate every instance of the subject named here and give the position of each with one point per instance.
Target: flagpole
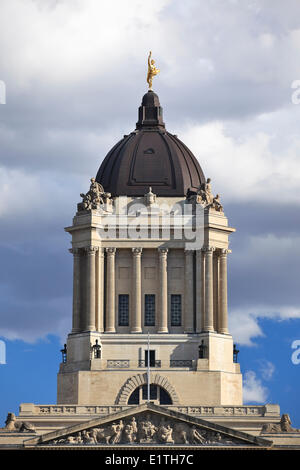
(148, 371)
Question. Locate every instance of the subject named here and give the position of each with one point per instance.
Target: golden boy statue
(152, 71)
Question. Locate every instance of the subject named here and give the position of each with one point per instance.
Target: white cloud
(68, 41)
(244, 323)
(267, 369)
(247, 167)
(253, 390)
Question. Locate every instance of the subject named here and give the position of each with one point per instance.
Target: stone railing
(27, 409)
(143, 363)
(118, 363)
(181, 363)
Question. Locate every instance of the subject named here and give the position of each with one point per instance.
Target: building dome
(150, 156)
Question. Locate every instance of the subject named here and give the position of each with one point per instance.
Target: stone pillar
(209, 302)
(223, 310)
(136, 317)
(90, 314)
(188, 291)
(216, 289)
(110, 291)
(76, 290)
(100, 291)
(163, 303)
(199, 290)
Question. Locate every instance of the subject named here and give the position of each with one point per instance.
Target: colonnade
(204, 291)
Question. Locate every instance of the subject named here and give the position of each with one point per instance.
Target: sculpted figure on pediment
(285, 425)
(95, 198)
(205, 197)
(147, 430)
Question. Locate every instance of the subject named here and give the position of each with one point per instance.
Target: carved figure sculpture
(205, 197)
(146, 430)
(195, 437)
(95, 198)
(117, 432)
(283, 426)
(12, 425)
(129, 434)
(216, 204)
(150, 197)
(164, 434)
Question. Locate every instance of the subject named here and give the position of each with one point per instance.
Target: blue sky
(75, 76)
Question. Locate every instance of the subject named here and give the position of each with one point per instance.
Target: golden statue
(152, 71)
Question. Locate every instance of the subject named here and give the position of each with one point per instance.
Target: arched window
(158, 395)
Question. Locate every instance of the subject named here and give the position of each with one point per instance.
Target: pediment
(147, 425)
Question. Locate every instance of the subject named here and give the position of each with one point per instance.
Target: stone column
(199, 290)
(188, 291)
(136, 318)
(76, 289)
(216, 289)
(90, 315)
(110, 291)
(223, 313)
(100, 291)
(209, 302)
(163, 303)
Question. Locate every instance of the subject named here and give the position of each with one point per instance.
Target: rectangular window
(149, 310)
(152, 358)
(175, 310)
(123, 311)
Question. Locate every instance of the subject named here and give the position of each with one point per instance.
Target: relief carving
(147, 428)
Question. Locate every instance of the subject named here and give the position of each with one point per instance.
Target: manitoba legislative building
(149, 360)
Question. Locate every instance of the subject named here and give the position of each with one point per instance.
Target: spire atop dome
(150, 112)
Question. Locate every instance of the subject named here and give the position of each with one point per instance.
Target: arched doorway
(158, 395)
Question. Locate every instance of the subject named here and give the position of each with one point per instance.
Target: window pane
(152, 358)
(175, 310)
(123, 310)
(149, 310)
(153, 392)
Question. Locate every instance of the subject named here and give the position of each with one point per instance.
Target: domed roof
(150, 156)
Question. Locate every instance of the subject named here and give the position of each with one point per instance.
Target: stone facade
(164, 266)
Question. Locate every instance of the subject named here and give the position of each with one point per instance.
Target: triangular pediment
(147, 425)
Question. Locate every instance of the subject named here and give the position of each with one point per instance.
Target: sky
(74, 73)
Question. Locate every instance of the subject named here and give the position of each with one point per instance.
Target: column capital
(110, 251)
(224, 252)
(137, 251)
(163, 251)
(91, 250)
(208, 249)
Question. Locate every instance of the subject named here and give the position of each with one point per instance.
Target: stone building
(150, 359)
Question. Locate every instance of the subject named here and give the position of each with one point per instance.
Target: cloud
(253, 390)
(244, 324)
(267, 369)
(249, 167)
(75, 75)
